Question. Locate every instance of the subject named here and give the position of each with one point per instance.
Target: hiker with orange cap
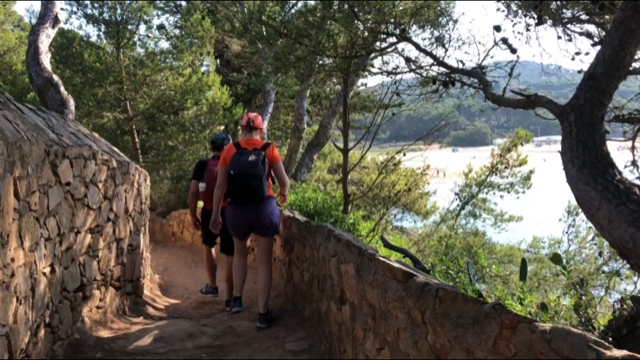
(244, 171)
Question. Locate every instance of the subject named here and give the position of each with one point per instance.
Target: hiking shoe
(209, 291)
(228, 303)
(236, 306)
(265, 320)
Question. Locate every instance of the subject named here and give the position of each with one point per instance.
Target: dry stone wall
(176, 228)
(366, 306)
(73, 229)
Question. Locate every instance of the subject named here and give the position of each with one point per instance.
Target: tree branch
(406, 253)
(527, 102)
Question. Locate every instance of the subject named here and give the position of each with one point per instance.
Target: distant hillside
(464, 110)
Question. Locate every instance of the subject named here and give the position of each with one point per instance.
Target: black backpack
(248, 175)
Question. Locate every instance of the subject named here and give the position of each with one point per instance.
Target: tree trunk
(45, 83)
(323, 135)
(133, 133)
(130, 122)
(269, 98)
(299, 121)
(607, 198)
(346, 201)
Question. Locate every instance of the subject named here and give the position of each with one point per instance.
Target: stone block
(65, 172)
(71, 277)
(4, 349)
(395, 270)
(16, 257)
(137, 270)
(122, 228)
(118, 203)
(25, 187)
(89, 170)
(6, 204)
(52, 227)
(43, 207)
(52, 252)
(83, 243)
(46, 178)
(91, 269)
(7, 307)
(41, 297)
(22, 282)
(105, 208)
(77, 189)
(45, 343)
(21, 332)
(56, 195)
(349, 282)
(94, 197)
(117, 273)
(96, 243)
(108, 234)
(85, 218)
(100, 175)
(78, 167)
(55, 287)
(66, 319)
(68, 241)
(65, 214)
(40, 255)
(34, 202)
(107, 258)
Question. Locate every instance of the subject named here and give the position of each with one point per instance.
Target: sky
(478, 18)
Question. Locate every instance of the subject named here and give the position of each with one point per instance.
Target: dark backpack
(248, 175)
(211, 179)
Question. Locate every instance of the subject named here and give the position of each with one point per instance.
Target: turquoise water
(541, 207)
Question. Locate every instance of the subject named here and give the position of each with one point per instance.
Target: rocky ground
(177, 323)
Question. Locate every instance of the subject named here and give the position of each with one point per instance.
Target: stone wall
(73, 229)
(366, 306)
(176, 228)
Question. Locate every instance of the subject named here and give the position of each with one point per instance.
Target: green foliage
(574, 279)
(318, 206)
(13, 47)
(474, 202)
(477, 134)
(524, 270)
(381, 187)
(143, 64)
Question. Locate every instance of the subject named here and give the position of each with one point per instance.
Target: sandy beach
(541, 207)
(450, 165)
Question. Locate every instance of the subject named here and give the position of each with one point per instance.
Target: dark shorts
(260, 219)
(210, 239)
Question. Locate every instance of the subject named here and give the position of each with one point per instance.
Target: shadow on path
(175, 322)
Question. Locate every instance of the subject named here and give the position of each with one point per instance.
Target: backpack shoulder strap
(237, 146)
(266, 146)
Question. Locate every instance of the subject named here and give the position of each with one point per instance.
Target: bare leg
(265, 269)
(228, 275)
(210, 264)
(239, 267)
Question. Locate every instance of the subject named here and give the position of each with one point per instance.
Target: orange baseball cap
(252, 119)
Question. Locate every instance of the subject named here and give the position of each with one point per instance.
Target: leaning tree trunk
(607, 198)
(269, 99)
(346, 131)
(45, 83)
(323, 135)
(299, 121)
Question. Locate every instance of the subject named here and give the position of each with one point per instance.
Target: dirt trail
(178, 323)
